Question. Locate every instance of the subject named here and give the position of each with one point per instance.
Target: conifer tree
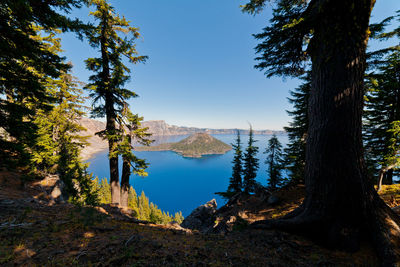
(235, 183)
(103, 190)
(250, 165)
(144, 207)
(141, 207)
(133, 201)
(133, 132)
(275, 163)
(107, 85)
(341, 205)
(57, 143)
(382, 109)
(178, 217)
(26, 62)
(295, 151)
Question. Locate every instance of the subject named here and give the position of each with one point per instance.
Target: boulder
(202, 218)
(57, 191)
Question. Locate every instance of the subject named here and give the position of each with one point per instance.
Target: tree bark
(341, 205)
(385, 172)
(126, 173)
(111, 129)
(113, 157)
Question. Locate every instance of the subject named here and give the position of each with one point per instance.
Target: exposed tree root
(379, 224)
(384, 229)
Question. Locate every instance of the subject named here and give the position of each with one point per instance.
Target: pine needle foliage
(295, 151)
(382, 107)
(274, 162)
(115, 38)
(250, 165)
(235, 183)
(26, 61)
(142, 208)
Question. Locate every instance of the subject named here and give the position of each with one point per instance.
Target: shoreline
(90, 151)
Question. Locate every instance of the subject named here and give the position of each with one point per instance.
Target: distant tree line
(141, 207)
(326, 42)
(245, 166)
(381, 125)
(41, 103)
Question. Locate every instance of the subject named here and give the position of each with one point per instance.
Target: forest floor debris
(63, 235)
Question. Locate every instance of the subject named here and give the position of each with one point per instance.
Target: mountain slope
(157, 128)
(194, 146)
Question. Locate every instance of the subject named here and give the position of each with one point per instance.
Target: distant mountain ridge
(194, 146)
(156, 127)
(160, 127)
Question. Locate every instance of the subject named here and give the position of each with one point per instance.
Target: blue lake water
(176, 183)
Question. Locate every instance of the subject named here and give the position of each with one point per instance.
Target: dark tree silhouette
(235, 182)
(250, 165)
(115, 38)
(26, 61)
(295, 151)
(275, 163)
(382, 110)
(341, 204)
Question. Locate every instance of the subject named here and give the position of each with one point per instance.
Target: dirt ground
(34, 232)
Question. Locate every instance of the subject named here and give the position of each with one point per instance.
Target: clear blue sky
(200, 69)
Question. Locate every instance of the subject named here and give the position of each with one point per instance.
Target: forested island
(338, 203)
(194, 146)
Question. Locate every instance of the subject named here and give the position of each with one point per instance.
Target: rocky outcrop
(194, 146)
(156, 127)
(202, 218)
(95, 143)
(160, 127)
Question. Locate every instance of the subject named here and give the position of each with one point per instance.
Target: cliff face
(160, 127)
(157, 128)
(96, 144)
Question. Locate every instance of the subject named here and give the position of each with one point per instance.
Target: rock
(175, 225)
(202, 218)
(58, 193)
(273, 200)
(223, 226)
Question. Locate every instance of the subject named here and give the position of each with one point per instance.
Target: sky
(200, 69)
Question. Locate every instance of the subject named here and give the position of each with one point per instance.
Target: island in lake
(194, 146)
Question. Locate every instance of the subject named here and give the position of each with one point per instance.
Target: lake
(176, 183)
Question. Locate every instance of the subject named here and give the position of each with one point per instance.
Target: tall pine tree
(250, 165)
(115, 38)
(26, 62)
(382, 109)
(133, 132)
(295, 151)
(275, 163)
(340, 205)
(235, 182)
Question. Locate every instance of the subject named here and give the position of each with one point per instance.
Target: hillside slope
(157, 128)
(36, 233)
(194, 146)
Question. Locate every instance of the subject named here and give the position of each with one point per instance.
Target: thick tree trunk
(341, 206)
(111, 130)
(113, 159)
(126, 173)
